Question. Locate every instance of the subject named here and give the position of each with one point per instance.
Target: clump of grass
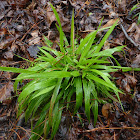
(77, 71)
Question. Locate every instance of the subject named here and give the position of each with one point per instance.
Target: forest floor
(22, 26)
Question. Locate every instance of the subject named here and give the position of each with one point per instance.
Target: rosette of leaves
(79, 71)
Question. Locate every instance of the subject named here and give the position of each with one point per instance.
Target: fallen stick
(126, 35)
(101, 128)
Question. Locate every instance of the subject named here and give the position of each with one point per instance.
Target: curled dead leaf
(106, 109)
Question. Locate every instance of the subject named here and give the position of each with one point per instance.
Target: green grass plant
(137, 14)
(77, 72)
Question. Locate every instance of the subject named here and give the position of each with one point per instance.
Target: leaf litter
(22, 26)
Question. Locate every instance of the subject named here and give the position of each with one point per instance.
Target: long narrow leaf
(95, 111)
(52, 50)
(99, 80)
(51, 74)
(35, 86)
(44, 91)
(47, 41)
(79, 93)
(83, 43)
(53, 99)
(87, 90)
(107, 52)
(15, 70)
(88, 46)
(105, 37)
(71, 92)
(60, 31)
(104, 75)
(57, 122)
(51, 58)
(72, 33)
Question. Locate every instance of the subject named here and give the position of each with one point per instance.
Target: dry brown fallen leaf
(5, 93)
(122, 6)
(35, 38)
(126, 81)
(131, 79)
(5, 43)
(110, 23)
(134, 31)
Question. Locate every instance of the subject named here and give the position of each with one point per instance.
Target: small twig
(20, 123)
(126, 35)
(34, 25)
(114, 136)
(101, 128)
(16, 134)
(27, 131)
(87, 2)
(121, 26)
